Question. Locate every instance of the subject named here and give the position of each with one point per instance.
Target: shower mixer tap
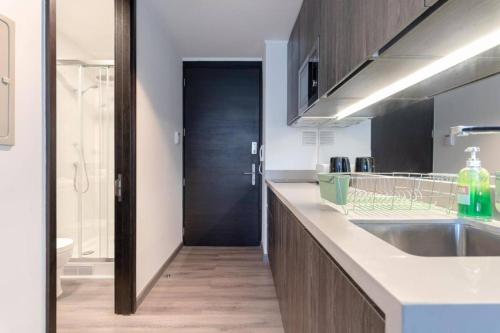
(76, 166)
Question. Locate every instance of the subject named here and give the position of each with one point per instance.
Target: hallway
(204, 290)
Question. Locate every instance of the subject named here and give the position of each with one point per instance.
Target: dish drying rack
(395, 192)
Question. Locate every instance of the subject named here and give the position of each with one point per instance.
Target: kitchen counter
(417, 294)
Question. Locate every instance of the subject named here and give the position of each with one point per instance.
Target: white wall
(284, 149)
(22, 230)
(474, 104)
(352, 142)
(159, 160)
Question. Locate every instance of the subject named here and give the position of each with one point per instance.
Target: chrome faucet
(471, 130)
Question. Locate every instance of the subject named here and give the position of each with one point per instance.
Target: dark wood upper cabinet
(350, 37)
(429, 3)
(326, 47)
(342, 41)
(353, 31)
(309, 19)
(293, 74)
(385, 19)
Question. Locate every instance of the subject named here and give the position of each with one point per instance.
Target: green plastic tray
(334, 187)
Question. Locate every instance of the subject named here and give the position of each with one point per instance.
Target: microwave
(308, 80)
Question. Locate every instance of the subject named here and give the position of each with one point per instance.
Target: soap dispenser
(473, 190)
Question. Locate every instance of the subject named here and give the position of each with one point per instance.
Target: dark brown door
(222, 110)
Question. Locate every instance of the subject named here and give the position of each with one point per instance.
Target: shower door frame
(125, 159)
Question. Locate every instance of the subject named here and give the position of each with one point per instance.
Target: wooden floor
(204, 290)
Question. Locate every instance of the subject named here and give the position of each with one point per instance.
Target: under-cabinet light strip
(471, 50)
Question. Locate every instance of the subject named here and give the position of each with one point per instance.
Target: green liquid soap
(474, 192)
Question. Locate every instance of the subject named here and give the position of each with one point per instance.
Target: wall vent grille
(326, 138)
(309, 138)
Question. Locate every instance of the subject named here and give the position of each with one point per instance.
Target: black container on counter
(365, 164)
(340, 164)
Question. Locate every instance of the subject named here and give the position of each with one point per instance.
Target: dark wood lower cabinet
(314, 293)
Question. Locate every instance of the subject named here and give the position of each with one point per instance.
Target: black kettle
(340, 164)
(365, 164)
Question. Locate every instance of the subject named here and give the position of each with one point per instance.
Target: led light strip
(471, 50)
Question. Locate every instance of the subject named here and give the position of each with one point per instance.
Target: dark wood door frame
(125, 156)
(125, 159)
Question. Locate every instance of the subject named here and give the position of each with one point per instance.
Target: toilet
(64, 252)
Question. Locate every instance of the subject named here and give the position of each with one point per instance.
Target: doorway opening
(222, 155)
(90, 133)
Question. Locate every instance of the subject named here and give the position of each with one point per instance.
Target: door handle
(251, 174)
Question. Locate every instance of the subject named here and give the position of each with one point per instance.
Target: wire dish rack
(382, 192)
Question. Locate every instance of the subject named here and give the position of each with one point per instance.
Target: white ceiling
(225, 28)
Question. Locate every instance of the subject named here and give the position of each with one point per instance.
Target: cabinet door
(385, 19)
(293, 75)
(429, 3)
(343, 308)
(327, 53)
(270, 237)
(314, 293)
(309, 19)
(311, 283)
(351, 32)
(350, 46)
(298, 286)
(342, 41)
(282, 276)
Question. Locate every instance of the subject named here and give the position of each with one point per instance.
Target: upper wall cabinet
(429, 3)
(309, 19)
(405, 45)
(293, 74)
(353, 31)
(351, 34)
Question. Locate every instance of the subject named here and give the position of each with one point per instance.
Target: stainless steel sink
(437, 239)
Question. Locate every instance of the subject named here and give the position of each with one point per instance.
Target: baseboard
(145, 292)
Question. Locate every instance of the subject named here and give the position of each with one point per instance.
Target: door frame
(125, 159)
(223, 63)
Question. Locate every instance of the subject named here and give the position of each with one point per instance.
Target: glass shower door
(86, 158)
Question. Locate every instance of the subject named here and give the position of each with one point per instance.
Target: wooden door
(222, 107)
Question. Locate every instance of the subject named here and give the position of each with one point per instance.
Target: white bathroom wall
(159, 160)
(22, 233)
(475, 104)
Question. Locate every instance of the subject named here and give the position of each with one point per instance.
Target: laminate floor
(204, 290)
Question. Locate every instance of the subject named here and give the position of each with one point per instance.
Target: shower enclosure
(85, 159)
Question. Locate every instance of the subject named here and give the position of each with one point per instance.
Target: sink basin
(437, 239)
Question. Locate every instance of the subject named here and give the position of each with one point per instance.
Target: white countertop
(417, 294)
